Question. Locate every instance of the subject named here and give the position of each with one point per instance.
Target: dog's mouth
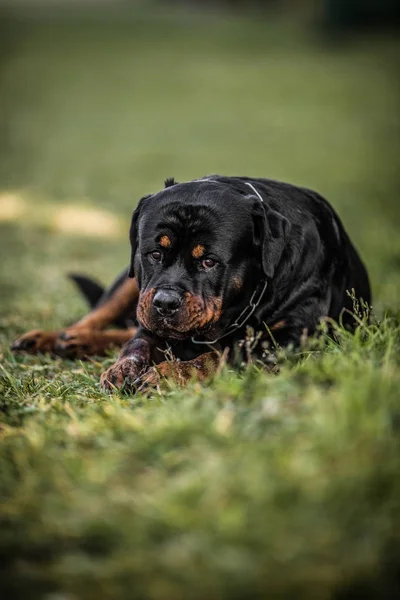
(195, 316)
(164, 329)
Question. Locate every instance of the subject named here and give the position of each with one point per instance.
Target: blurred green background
(99, 106)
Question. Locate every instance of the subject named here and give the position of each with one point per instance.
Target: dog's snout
(167, 302)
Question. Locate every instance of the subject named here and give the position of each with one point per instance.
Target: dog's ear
(271, 232)
(134, 233)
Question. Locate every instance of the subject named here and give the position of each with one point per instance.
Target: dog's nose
(167, 302)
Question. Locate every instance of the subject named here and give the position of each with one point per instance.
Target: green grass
(252, 486)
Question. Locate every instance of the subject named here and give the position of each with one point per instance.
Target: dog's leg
(134, 371)
(135, 358)
(118, 302)
(107, 311)
(180, 372)
(91, 342)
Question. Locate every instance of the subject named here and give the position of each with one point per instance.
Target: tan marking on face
(143, 312)
(278, 325)
(237, 282)
(195, 314)
(165, 242)
(198, 251)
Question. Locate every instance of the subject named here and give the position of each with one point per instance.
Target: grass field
(255, 485)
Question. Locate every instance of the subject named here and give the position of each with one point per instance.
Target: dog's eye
(209, 263)
(156, 255)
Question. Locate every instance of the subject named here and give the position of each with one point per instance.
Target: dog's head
(199, 249)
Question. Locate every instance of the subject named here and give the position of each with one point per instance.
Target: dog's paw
(173, 371)
(178, 372)
(123, 374)
(151, 379)
(35, 341)
(80, 343)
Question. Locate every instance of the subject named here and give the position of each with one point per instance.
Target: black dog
(210, 258)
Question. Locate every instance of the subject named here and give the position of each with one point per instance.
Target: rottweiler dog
(211, 258)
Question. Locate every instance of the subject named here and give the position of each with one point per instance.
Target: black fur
(169, 182)
(91, 290)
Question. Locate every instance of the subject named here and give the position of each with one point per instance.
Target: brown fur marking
(83, 343)
(193, 315)
(196, 314)
(278, 325)
(98, 319)
(237, 282)
(124, 297)
(198, 251)
(133, 361)
(123, 372)
(181, 372)
(144, 307)
(165, 242)
(72, 343)
(35, 341)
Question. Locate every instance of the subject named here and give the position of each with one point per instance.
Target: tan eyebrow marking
(165, 241)
(198, 251)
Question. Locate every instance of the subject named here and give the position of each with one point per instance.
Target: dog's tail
(91, 290)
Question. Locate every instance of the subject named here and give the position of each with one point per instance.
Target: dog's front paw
(123, 374)
(177, 372)
(35, 341)
(150, 379)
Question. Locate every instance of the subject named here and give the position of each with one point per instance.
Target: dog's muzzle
(167, 302)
